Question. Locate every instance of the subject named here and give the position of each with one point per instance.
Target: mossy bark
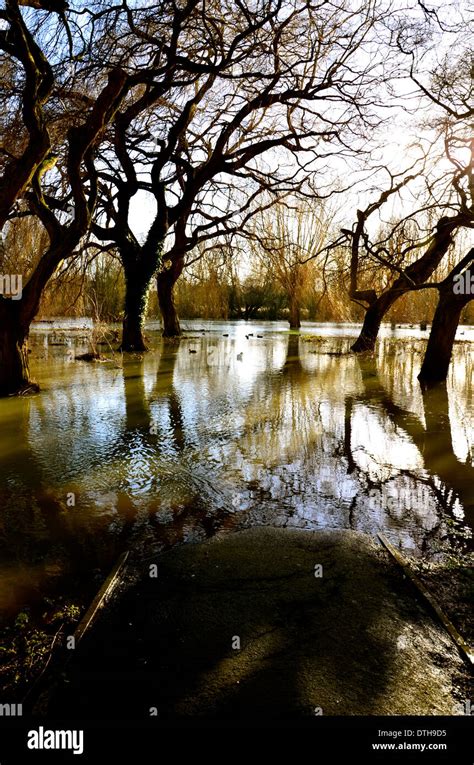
(136, 295)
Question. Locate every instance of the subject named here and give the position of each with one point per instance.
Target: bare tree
(409, 272)
(445, 92)
(287, 239)
(65, 222)
(27, 70)
(265, 96)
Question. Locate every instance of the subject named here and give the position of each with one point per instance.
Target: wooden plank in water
(465, 649)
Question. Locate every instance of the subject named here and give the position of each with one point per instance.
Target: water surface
(235, 425)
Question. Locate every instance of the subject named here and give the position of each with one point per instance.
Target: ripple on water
(278, 430)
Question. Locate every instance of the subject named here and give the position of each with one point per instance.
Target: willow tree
(450, 200)
(443, 184)
(262, 95)
(287, 239)
(33, 144)
(27, 78)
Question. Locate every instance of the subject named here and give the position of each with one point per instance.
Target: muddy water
(238, 424)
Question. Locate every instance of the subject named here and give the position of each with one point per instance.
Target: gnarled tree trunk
(15, 319)
(166, 281)
(415, 274)
(373, 319)
(445, 323)
(441, 340)
(14, 365)
(136, 297)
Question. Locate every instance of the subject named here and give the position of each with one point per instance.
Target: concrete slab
(271, 623)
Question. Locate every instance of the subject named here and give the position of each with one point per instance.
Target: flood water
(223, 430)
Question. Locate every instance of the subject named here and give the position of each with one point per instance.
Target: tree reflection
(438, 453)
(179, 446)
(450, 481)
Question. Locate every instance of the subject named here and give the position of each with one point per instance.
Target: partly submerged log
(94, 356)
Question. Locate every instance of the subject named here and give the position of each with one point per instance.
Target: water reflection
(215, 433)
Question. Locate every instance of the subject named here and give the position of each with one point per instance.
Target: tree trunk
(443, 332)
(372, 321)
(16, 318)
(14, 364)
(166, 281)
(136, 294)
(295, 317)
(417, 273)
